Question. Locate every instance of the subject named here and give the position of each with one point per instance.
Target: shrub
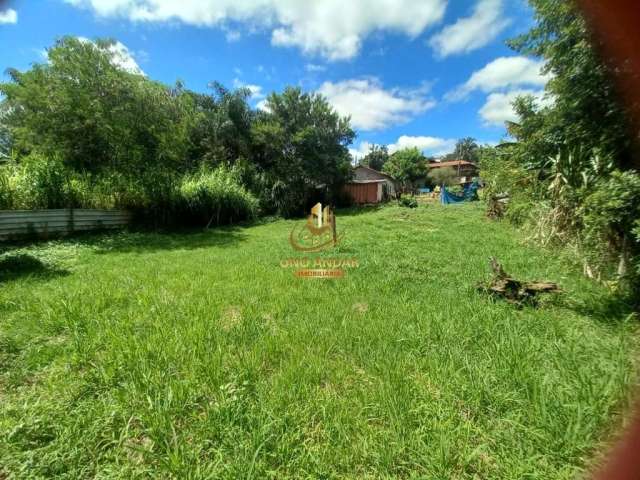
(6, 193)
(215, 197)
(408, 202)
(609, 215)
(41, 182)
(439, 176)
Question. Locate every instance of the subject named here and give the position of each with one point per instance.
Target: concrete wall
(42, 223)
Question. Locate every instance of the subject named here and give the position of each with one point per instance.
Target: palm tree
(466, 149)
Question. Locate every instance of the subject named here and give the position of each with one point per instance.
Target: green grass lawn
(199, 356)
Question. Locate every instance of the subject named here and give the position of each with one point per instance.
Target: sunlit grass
(198, 356)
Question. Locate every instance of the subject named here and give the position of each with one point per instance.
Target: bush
(40, 182)
(609, 215)
(439, 176)
(408, 202)
(159, 198)
(215, 197)
(6, 193)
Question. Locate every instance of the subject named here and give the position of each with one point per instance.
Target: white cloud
(8, 16)
(498, 108)
(470, 33)
(334, 29)
(232, 35)
(427, 145)
(255, 90)
(502, 73)
(370, 106)
(123, 58)
(312, 67)
(263, 105)
(357, 153)
(42, 53)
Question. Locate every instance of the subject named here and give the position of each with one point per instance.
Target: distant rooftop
(451, 163)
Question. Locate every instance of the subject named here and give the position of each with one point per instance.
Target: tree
(466, 149)
(300, 146)
(574, 149)
(84, 108)
(376, 157)
(585, 109)
(5, 135)
(222, 134)
(442, 176)
(406, 166)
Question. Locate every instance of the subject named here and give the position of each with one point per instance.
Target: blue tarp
(469, 193)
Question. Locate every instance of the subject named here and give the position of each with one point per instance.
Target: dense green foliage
(301, 146)
(567, 173)
(95, 116)
(81, 131)
(145, 356)
(216, 197)
(408, 201)
(376, 157)
(466, 149)
(406, 166)
(440, 176)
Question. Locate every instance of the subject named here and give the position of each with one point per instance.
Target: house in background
(465, 171)
(370, 186)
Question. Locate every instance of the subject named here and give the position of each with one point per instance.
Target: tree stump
(515, 291)
(495, 207)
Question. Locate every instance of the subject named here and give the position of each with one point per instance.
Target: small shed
(370, 186)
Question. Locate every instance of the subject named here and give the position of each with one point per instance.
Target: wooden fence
(43, 223)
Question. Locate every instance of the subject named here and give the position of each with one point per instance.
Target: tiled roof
(451, 163)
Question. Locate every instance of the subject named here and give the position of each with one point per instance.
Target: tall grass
(216, 197)
(205, 198)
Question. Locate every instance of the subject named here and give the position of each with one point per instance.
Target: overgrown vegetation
(406, 166)
(442, 176)
(81, 131)
(376, 157)
(568, 173)
(216, 197)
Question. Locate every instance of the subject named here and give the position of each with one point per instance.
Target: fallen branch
(514, 291)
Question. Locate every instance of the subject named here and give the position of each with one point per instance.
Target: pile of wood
(514, 291)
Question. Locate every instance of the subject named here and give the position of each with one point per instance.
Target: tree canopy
(406, 166)
(376, 157)
(82, 107)
(103, 122)
(300, 142)
(569, 163)
(465, 149)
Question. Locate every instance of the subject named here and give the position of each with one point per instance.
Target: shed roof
(381, 180)
(386, 175)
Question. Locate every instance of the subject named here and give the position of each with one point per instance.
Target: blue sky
(409, 72)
